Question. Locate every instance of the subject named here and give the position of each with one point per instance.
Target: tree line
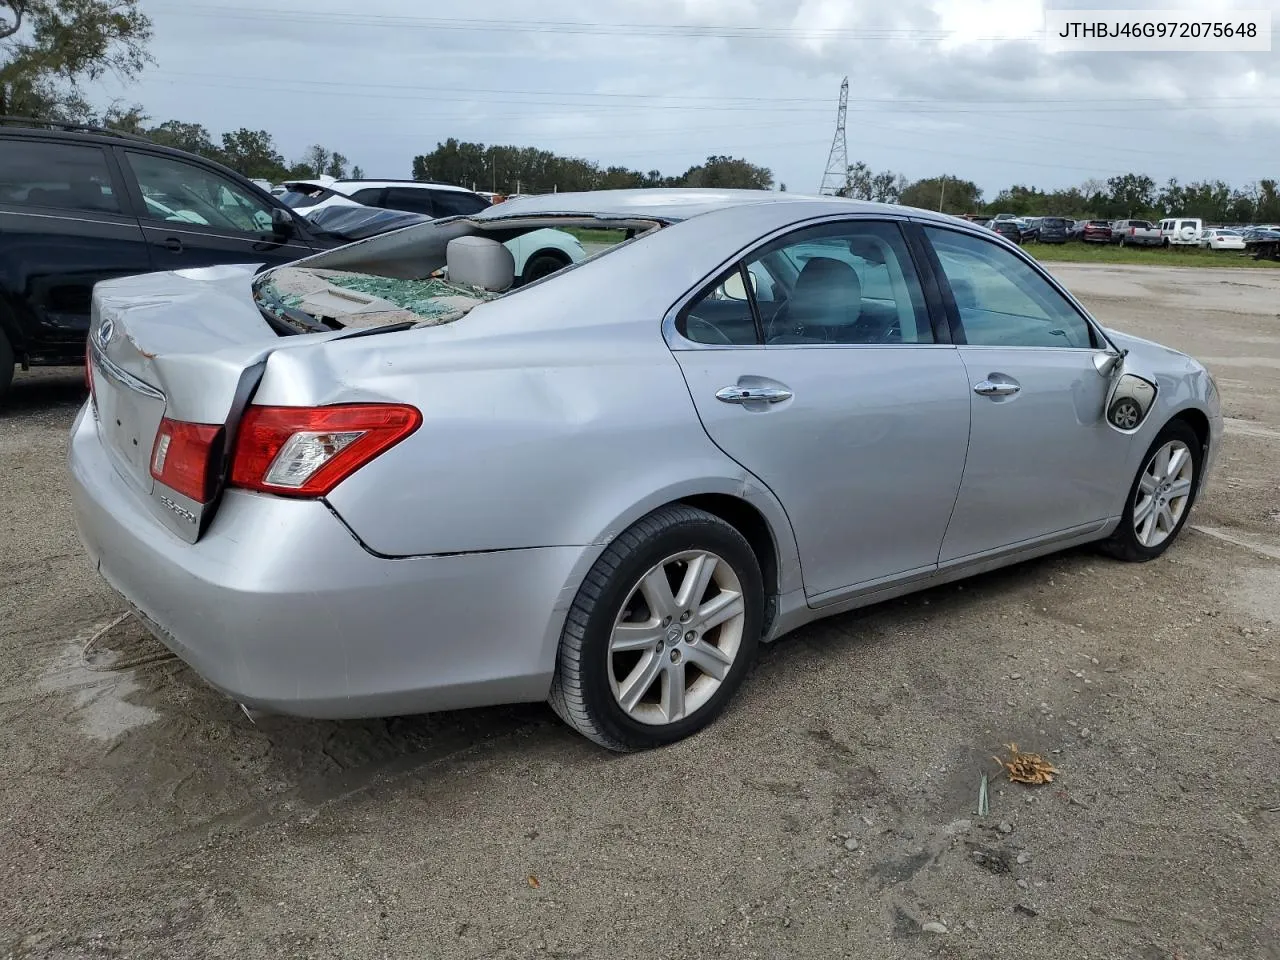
(51, 50)
(1133, 196)
(511, 169)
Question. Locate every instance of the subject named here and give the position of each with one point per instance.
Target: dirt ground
(830, 813)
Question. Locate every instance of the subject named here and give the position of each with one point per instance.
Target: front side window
(63, 176)
(181, 192)
(1002, 301)
(838, 283)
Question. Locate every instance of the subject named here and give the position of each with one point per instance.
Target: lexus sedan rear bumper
(280, 607)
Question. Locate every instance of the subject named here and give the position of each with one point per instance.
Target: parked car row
(1170, 232)
(79, 205)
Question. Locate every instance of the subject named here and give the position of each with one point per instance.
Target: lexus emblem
(105, 331)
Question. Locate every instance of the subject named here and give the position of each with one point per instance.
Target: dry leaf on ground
(1027, 767)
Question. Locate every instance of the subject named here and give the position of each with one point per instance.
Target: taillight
(307, 451)
(183, 458)
(88, 371)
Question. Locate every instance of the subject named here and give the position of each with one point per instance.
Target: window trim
(120, 186)
(1100, 340)
(676, 341)
(149, 221)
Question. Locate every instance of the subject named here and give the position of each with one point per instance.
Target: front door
(813, 364)
(195, 217)
(1042, 459)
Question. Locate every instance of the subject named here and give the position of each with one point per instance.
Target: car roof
(348, 186)
(681, 203)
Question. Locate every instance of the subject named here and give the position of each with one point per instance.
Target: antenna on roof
(837, 175)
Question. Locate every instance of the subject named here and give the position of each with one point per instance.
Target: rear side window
(411, 199)
(839, 283)
(63, 176)
(458, 204)
(1002, 301)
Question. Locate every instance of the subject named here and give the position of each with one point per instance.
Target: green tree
(50, 49)
(946, 193)
(337, 166)
(191, 137)
(253, 153)
(1131, 196)
(357, 173)
(727, 173)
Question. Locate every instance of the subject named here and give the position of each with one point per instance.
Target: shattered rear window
(308, 300)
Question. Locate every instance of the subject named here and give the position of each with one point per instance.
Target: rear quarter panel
(556, 416)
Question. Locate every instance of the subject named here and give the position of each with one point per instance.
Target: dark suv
(1054, 230)
(79, 205)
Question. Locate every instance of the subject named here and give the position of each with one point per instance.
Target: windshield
(302, 195)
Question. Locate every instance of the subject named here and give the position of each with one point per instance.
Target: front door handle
(736, 394)
(996, 388)
(172, 244)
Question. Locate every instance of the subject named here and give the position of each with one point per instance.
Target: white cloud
(931, 90)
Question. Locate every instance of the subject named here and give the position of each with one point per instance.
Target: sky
(962, 87)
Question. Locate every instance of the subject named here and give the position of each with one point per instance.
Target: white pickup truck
(1136, 233)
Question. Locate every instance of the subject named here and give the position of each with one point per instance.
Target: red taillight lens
(307, 451)
(88, 370)
(184, 458)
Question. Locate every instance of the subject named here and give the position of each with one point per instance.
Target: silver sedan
(394, 478)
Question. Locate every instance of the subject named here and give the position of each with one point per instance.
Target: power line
(572, 27)
(887, 101)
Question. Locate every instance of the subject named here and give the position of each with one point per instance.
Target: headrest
(480, 262)
(828, 293)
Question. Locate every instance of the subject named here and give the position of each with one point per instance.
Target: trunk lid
(188, 345)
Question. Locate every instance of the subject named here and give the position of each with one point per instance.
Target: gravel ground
(829, 813)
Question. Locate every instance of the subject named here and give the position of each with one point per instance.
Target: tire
(541, 264)
(593, 677)
(1127, 543)
(7, 361)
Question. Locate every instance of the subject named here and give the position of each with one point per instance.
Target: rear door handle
(736, 394)
(996, 388)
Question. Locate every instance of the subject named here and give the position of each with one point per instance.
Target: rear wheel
(7, 360)
(662, 632)
(1161, 497)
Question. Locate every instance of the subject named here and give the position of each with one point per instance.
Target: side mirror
(282, 224)
(734, 289)
(1129, 401)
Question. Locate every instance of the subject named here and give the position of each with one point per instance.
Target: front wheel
(1161, 497)
(542, 264)
(662, 632)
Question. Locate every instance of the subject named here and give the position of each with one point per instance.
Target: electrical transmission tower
(833, 181)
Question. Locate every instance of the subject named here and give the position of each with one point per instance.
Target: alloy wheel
(677, 637)
(1164, 492)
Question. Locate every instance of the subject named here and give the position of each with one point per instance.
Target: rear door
(1041, 461)
(193, 216)
(64, 225)
(834, 393)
